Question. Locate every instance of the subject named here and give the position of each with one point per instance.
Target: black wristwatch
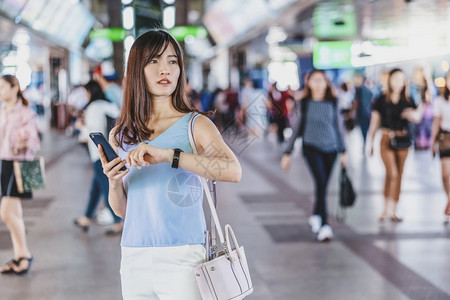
(176, 157)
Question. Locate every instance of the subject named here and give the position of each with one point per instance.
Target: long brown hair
(137, 101)
(446, 90)
(329, 94)
(404, 94)
(13, 81)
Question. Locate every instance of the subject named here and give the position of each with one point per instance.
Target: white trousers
(163, 273)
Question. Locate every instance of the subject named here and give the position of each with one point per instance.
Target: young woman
(392, 111)
(278, 110)
(421, 93)
(441, 130)
(19, 140)
(322, 129)
(160, 194)
(95, 120)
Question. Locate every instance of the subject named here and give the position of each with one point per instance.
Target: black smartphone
(99, 138)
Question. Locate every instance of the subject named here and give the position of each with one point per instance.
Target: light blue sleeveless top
(164, 205)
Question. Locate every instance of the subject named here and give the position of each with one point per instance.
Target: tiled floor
(268, 210)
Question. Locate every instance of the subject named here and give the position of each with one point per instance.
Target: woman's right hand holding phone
(112, 169)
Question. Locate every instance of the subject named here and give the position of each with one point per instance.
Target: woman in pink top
(19, 140)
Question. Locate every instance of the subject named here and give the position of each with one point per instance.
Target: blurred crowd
(402, 106)
(409, 112)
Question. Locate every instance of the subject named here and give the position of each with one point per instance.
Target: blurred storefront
(284, 39)
(41, 43)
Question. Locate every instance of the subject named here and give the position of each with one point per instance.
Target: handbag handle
(229, 231)
(205, 185)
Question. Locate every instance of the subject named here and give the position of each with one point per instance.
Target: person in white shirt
(97, 112)
(441, 131)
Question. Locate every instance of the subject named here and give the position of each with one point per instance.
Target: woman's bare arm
(117, 197)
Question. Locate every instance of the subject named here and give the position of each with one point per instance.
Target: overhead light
(128, 17)
(275, 35)
(439, 82)
(9, 61)
(21, 37)
(170, 2)
(189, 39)
(126, 2)
(169, 17)
(127, 44)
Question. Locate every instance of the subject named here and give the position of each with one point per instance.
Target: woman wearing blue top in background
(322, 129)
(160, 194)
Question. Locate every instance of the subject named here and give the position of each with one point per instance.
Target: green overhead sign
(332, 55)
(181, 32)
(112, 34)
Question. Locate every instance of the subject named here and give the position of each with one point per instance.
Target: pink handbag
(226, 275)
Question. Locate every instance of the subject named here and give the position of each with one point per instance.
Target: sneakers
(325, 233)
(104, 217)
(315, 221)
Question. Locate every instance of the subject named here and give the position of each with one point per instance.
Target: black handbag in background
(347, 195)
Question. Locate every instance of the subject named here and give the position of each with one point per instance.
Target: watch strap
(176, 157)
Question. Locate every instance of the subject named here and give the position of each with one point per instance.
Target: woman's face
(317, 83)
(162, 73)
(7, 92)
(397, 82)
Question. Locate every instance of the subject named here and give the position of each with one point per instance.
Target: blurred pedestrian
(345, 95)
(381, 87)
(222, 107)
(19, 141)
(392, 111)
(160, 194)
(106, 76)
(192, 96)
(278, 111)
(76, 102)
(362, 105)
(95, 120)
(441, 135)
(421, 94)
(233, 107)
(322, 129)
(206, 100)
(254, 108)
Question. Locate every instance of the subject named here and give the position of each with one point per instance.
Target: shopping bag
(347, 194)
(30, 175)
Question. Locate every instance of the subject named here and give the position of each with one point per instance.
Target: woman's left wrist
(169, 155)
